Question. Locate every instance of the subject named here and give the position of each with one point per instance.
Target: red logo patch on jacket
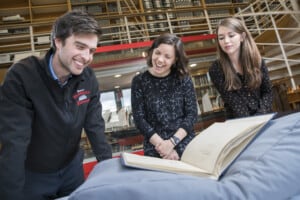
(81, 96)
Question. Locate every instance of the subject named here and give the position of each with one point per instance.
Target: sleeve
(138, 108)
(95, 126)
(217, 76)
(15, 133)
(190, 105)
(265, 104)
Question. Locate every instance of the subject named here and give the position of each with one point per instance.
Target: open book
(210, 152)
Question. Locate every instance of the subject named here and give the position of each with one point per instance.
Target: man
(44, 105)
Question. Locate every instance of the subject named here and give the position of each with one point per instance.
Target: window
(108, 101)
(126, 97)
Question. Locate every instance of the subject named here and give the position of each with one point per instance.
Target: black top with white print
(162, 105)
(243, 102)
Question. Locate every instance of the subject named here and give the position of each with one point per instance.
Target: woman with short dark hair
(164, 101)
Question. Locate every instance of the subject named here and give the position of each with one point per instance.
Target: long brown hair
(249, 57)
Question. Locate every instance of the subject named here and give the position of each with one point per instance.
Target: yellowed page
(232, 150)
(152, 163)
(205, 149)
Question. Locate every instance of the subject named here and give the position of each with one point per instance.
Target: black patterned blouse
(162, 106)
(243, 102)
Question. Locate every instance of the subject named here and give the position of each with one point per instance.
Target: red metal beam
(148, 43)
(118, 47)
(115, 62)
(124, 60)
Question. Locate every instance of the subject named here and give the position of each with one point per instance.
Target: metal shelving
(123, 21)
(276, 27)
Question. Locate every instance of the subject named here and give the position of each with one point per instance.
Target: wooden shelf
(294, 99)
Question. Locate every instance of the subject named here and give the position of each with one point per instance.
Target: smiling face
(229, 41)
(163, 57)
(74, 54)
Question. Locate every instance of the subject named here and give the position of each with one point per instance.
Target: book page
(233, 149)
(206, 148)
(153, 163)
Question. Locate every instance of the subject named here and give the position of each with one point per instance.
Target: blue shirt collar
(51, 68)
(53, 73)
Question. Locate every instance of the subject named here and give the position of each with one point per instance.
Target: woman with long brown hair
(240, 74)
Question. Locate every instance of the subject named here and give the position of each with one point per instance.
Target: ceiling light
(117, 75)
(193, 65)
(117, 86)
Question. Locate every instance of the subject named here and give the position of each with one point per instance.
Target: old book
(210, 152)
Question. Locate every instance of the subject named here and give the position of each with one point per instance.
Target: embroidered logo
(81, 96)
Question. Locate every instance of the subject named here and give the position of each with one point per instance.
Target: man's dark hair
(74, 22)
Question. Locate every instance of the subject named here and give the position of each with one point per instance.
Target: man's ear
(57, 42)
